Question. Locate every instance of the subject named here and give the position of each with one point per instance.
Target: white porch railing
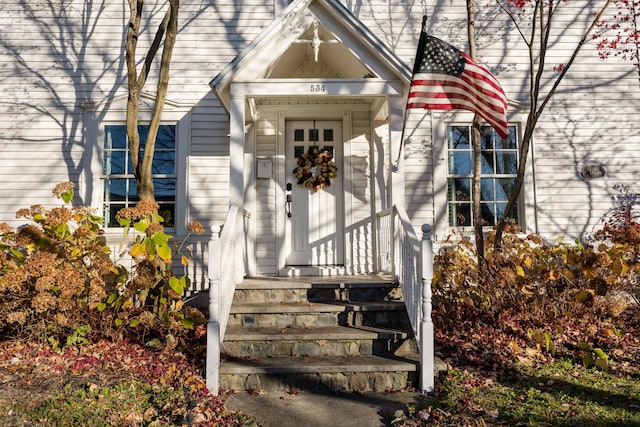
(410, 261)
(227, 268)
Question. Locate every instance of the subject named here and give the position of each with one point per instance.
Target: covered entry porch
(316, 79)
(316, 69)
(297, 228)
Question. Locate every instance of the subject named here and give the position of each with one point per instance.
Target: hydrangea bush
(59, 280)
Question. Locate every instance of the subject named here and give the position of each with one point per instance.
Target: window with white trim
(120, 188)
(499, 170)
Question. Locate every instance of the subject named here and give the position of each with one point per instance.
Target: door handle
(288, 205)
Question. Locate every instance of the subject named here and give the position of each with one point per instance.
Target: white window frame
(114, 113)
(441, 121)
(106, 176)
(451, 175)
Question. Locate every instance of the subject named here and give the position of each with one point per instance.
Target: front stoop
(346, 333)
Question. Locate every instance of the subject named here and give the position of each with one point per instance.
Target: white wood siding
(359, 237)
(56, 63)
(266, 210)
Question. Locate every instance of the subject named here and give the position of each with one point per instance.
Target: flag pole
(413, 72)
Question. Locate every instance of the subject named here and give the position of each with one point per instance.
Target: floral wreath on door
(315, 168)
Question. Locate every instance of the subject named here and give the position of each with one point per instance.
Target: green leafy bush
(59, 281)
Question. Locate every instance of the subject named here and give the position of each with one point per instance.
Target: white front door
(315, 217)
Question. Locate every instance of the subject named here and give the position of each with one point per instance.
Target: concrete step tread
(238, 333)
(326, 364)
(316, 307)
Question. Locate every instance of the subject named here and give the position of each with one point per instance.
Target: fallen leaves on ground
(35, 372)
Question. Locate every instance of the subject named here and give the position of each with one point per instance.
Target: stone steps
(358, 373)
(311, 341)
(265, 314)
(336, 333)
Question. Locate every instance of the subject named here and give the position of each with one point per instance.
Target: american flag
(444, 78)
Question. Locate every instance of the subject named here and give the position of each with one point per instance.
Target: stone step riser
(384, 319)
(320, 381)
(244, 296)
(314, 348)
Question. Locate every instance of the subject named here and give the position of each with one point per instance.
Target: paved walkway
(308, 409)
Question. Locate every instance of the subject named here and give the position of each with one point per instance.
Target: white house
(255, 84)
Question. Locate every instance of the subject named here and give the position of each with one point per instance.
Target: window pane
(328, 135)
(486, 138)
(115, 190)
(114, 162)
(110, 214)
(461, 163)
(115, 137)
(165, 189)
(487, 162)
(459, 136)
(488, 214)
(511, 141)
(500, 209)
(143, 131)
(164, 162)
(132, 194)
(167, 212)
(506, 162)
(462, 189)
(166, 139)
(492, 190)
(329, 149)
(506, 186)
(460, 214)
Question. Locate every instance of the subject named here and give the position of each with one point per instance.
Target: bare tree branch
(534, 111)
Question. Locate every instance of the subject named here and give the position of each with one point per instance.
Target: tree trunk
(478, 222)
(476, 192)
(133, 100)
(168, 29)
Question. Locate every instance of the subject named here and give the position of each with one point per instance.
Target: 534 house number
(317, 88)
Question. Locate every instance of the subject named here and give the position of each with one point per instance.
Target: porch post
(212, 364)
(427, 351)
(236, 148)
(396, 124)
(249, 199)
(396, 184)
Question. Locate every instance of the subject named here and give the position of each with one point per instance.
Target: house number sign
(317, 88)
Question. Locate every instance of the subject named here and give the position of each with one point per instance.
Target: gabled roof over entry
(347, 49)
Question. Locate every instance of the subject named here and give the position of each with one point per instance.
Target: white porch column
(250, 193)
(396, 184)
(396, 123)
(236, 148)
(427, 342)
